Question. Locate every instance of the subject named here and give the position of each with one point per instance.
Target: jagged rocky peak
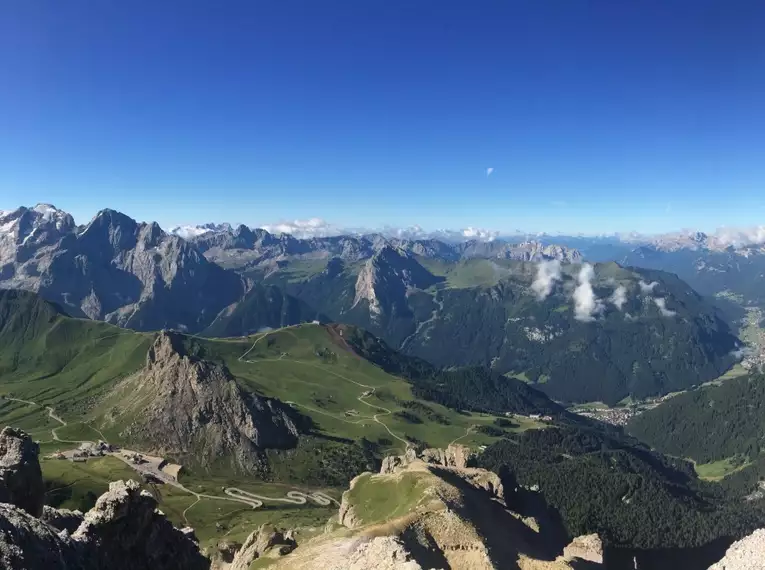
(523, 251)
(194, 409)
(115, 269)
(21, 480)
(387, 277)
(266, 540)
(110, 227)
(124, 531)
(24, 230)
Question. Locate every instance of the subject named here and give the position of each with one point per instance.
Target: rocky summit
(193, 409)
(113, 269)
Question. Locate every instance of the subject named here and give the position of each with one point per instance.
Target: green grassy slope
(58, 361)
(312, 367)
(358, 411)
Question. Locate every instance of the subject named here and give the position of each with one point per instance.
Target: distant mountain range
(113, 269)
(576, 332)
(526, 309)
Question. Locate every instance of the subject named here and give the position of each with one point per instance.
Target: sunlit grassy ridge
(311, 367)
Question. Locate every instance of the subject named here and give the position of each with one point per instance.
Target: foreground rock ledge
(124, 531)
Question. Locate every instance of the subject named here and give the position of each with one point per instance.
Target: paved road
(151, 467)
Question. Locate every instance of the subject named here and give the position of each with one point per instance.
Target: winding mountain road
(235, 495)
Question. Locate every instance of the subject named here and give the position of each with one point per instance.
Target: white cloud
(738, 237)
(647, 287)
(489, 171)
(548, 272)
(741, 353)
(313, 227)
(619, 297)
(662, 304)
(478, 233)
(586, 304)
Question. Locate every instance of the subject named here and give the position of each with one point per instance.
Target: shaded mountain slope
(263, 307)
(630, 332)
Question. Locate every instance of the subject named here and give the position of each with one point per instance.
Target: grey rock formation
(21, 480)
(387, 277)
(259, 542)
(189, 407)
(114, 269)
(62, 519)
(27, 543)
(453, 456)
(124, 531)
(244, 247)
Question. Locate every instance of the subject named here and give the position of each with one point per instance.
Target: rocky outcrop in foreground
(432, 510)
(194, 409)
(21, 480)
(745, 554)
(124, 531)
(264, 540)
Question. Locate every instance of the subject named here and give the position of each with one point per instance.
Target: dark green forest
(615, 486)
(710, 423)
(469, 388)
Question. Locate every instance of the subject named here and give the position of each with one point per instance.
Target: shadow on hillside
(505, 536)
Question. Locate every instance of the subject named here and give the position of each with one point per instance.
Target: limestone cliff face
(187, 407)
(114, 269)
(124, 531)
(21, 480)
(386, 278)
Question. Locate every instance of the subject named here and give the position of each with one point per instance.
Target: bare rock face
(124, 528)
(124, 531)
(745, 554)
(194, 408)
(27, 543)
(386, 278)
(347, 516)
(21, 480)
(588, 547)
(62, 519)
(391, 463)
(259, 542)
(114, 269)
(458, 456)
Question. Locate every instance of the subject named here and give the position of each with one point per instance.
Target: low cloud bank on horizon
(318, 227)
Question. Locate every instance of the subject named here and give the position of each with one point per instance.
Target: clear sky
(596, 115)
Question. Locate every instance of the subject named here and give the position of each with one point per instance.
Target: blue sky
(597, 116)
